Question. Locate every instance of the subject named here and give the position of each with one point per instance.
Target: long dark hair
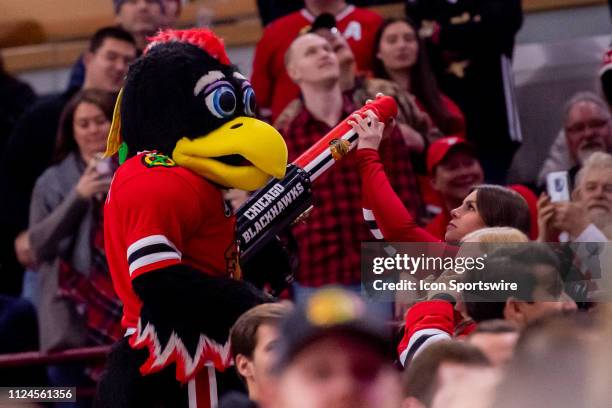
(65, 142)
(422, 80)
(502, 207)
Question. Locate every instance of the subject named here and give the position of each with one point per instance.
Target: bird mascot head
(185, 100)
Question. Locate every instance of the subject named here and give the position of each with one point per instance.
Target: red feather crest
(200, 37)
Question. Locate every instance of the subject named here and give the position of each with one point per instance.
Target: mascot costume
(184, 131)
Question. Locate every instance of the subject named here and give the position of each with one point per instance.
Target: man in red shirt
(272, 85)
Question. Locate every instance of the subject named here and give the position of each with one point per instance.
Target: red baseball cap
(440, 148)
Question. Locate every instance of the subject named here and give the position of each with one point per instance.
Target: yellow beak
(254, 140)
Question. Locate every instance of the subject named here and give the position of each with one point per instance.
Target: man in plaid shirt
(330, 240)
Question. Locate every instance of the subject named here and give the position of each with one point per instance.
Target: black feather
(188, 302)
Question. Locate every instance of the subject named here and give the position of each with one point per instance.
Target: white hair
(585, 97)
(596, 161)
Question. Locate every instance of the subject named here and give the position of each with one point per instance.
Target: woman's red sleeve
(393, 219)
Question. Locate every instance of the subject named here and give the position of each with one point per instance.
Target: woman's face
(465, 219)
(398, 48)
(90, 128)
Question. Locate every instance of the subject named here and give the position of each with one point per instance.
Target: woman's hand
(92, 182)
(369, 129)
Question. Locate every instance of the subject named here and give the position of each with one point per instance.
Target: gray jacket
(60, 227)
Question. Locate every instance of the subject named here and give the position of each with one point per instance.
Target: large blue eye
(221, 102)
(249, 101)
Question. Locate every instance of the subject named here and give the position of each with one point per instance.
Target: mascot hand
(272, 267)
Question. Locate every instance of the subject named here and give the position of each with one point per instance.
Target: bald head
(297, 44)
(310, 59)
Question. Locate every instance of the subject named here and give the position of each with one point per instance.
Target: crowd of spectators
(418, 179)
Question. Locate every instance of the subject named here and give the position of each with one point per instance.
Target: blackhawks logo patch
(157, 160)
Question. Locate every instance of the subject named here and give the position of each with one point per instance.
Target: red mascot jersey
(158, 214)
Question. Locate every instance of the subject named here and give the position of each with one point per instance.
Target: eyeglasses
(582, 126)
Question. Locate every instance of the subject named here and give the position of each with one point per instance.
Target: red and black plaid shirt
(330, 239)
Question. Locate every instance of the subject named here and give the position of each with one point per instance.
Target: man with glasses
(587, 129)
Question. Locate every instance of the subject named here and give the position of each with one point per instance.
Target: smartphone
(557, 186)
(104, 166)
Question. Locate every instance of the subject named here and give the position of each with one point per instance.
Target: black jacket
(481, 34)
(15, 98)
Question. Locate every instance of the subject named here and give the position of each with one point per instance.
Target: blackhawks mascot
(184, 130)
